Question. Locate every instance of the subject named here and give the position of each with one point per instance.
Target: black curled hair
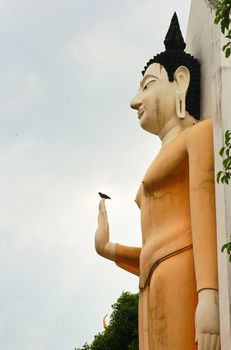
(174, 57)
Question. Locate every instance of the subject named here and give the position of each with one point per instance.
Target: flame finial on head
(174, 39)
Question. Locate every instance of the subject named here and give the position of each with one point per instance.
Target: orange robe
(178, 255)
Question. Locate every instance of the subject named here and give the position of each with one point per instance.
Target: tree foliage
(222, 16)
(224, 176)
(122, 331)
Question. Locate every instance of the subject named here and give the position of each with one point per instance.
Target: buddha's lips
(140, 113)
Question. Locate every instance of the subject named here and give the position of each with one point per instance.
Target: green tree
(224, 176)
(222, 17)
(122, 331)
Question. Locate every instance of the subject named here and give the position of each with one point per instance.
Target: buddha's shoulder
(204, 126)
(200, 132)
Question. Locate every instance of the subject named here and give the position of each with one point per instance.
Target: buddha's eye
(148, 84)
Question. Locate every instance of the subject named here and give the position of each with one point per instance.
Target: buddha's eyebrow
(148, 76)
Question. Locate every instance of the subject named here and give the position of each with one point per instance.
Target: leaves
(224, 175)
(219, 175)
(222, 16)
(227, 52)
(227, 162)
(227, 247)
(227, 137)
(222, 151)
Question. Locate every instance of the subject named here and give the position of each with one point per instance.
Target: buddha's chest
(168, 174)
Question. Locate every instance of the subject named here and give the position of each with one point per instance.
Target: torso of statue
(164, 201)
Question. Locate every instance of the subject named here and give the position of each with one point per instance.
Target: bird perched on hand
(102, 195)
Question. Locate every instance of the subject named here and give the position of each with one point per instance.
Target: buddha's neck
(174, 127)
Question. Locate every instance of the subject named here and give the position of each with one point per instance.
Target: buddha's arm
(203, 220)
(128, 258)
(124, 256)
(202, 205)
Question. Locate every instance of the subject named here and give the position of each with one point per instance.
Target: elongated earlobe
(182, 79)
(180, 106)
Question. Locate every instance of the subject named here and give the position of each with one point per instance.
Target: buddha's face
(155, 100)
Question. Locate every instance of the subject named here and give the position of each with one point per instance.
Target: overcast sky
(68, 72)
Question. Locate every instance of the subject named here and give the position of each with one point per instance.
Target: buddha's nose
(136, 102)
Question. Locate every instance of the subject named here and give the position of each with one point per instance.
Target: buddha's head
(170, 87)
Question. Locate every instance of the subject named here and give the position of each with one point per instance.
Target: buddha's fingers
(200, 339)
(208, 341)
(102, 211)
(102, 207)
(214, 341)
(218, 342)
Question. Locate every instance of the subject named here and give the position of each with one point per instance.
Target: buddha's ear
(182, 79)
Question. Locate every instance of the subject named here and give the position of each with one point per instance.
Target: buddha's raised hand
(102, 244)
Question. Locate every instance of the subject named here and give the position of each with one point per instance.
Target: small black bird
(102, 195)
